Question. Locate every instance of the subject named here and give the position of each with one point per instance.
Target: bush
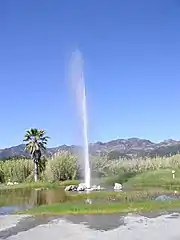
(61, 168)
(66, 167)
(120, 178)
(99, 166)
(15, 170)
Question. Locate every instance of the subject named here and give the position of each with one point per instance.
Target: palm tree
(36, 142)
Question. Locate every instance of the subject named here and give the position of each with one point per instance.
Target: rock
(71, 188)
(38, 189)
(96, 188)
(9, 183)
(74, 188)
(118, 186)
(81, 187)
(68, 188)
(93, 188)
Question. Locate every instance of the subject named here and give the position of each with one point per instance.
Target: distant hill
(127, 148)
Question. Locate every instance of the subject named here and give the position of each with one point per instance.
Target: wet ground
(15, 200)
(129, 227)
(115, 226)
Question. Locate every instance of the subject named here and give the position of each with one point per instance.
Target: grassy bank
(104, 208)
(161, 178)
(39, 184)
(122, 196)
(108, 202)
(31, 185)
(156, 178)
(26, 196)
(63, 171)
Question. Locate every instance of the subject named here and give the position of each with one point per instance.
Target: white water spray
(77, 77)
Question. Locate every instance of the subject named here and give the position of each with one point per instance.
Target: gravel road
(131, 227)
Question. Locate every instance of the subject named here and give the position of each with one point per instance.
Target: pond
(20, 199)
(13, 200)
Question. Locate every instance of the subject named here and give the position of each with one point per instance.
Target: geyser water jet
(78, 81)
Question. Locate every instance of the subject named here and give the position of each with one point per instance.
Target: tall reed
(65, 167)
(15, 170)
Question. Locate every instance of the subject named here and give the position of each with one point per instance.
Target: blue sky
(132, 68)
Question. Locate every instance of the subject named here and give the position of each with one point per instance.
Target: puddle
(23, 225)
(100, 222)
(165, 197)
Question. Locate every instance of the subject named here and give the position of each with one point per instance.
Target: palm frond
(35, 140)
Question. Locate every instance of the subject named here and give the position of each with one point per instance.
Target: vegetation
(31, 197)
(157, 178)
(16, 170)
(31, 185)
(122, 196)
(65, 168)
(62, 167)
(57, 201)
(36, 142)
(104, 208)
(108, 202)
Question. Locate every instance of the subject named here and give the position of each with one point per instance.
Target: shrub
(15, 170)
(62, 167)
(66, 167)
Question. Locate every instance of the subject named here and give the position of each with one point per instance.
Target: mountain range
(126, 148)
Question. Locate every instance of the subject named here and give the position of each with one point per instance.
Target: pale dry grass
(144, 164)
(65, 167)
(15, 170)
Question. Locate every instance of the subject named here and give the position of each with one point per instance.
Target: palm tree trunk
(35, 171)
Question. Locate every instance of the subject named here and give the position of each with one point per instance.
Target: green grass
(104, 208)
(138, 174)
(69, 182)
(151, 178)
(39, 184)
(108, 202)
(29, 185)
(157, 178)
(123, 196)
(122, 177)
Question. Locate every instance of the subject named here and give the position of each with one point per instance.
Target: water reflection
(100, 222)
(30, 197)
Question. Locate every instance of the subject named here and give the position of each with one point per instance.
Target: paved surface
(7, 222)
(166, 227)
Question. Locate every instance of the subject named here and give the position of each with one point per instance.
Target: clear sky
(132, 68)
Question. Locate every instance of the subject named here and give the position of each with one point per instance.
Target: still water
(20, 199)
